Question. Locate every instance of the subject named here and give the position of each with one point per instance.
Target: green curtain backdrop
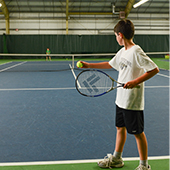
(59, 44)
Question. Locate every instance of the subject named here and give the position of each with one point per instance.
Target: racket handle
(138, 86)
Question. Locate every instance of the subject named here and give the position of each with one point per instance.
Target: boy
(134, 68)
(48, 52)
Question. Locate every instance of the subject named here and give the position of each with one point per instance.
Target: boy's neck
(128, 44)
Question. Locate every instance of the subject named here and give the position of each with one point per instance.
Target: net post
(73, 61)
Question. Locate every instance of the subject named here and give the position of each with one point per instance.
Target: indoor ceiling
(85, 8)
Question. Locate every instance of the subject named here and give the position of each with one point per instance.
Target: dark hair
(125, 27)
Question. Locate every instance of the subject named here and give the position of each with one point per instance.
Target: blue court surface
(44, 118)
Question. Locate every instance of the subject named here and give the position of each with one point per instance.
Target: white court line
(163, 75)
(37, 89)
(74, 75)
(72, 71)
(76, 161)
(63, 88)
(157, 87)
(12, 66)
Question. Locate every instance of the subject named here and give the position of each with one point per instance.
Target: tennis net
(38, 62)
(59, 62)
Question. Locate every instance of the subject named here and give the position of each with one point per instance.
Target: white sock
(144, 162)
(117, 155)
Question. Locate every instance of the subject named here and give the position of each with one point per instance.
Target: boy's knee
(140, 135)
(121, 128)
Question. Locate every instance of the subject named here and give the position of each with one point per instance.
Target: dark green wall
(153, 43)
(1, 44)
(58, 44)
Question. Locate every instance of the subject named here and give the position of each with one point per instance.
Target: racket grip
(138, 86)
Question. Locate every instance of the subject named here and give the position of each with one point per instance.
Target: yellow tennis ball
(167, 56)
(79, 64)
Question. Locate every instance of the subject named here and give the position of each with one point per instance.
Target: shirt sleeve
(144, 61)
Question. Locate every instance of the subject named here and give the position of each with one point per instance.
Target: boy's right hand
(85, 64)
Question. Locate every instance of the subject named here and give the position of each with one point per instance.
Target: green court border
(129, 165)
(162, 63)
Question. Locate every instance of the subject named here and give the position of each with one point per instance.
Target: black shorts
(133, 120)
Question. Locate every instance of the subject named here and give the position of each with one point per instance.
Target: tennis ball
(167, 56)
(79, 64)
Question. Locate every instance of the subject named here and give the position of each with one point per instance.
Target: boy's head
(125, 27)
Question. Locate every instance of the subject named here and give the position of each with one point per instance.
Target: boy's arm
(144, 77)
(102, 65)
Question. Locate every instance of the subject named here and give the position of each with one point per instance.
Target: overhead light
(139, 3)
(0, 4)
(113, 9)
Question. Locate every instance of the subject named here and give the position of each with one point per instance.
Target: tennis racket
(94, 83)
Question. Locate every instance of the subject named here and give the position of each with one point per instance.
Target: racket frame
(112, 79)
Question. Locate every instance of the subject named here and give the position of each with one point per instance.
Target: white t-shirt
(131, 64)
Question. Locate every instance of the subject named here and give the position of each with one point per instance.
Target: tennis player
(48, 52)
(134, 68)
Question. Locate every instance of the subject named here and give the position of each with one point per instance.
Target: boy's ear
(120, 34)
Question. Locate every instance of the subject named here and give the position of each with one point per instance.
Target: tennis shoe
(142, 167)
(111, 162)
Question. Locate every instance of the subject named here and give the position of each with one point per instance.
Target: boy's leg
(142, 148)
(120, 139)
(115, 160)
(121, 133)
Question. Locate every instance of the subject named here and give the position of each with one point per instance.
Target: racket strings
(93, 83)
